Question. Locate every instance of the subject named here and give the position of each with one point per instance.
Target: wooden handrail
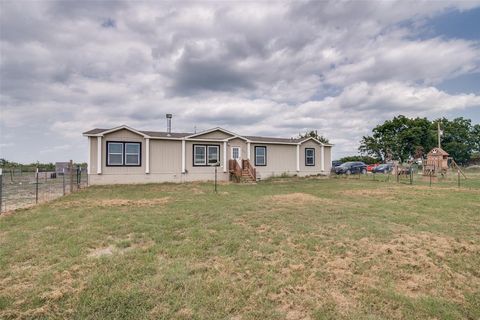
(251, 170)
(234, 168)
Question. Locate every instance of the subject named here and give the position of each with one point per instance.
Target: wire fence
(414, 176)
(21, 189)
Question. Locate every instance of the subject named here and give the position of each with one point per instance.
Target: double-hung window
(309, 156)
(205, 154)
(115, 153)
(260, 156)
(132, 154)
(213, 154)
(123, 153)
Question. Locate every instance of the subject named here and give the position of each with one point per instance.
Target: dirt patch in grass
(106, 203)
(294, 197)
(121, 246)
(384, 193)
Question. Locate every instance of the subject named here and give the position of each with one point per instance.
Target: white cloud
(257, 68)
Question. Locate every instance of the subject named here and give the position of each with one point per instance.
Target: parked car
(336, 163)
(371, 166)
(383, 168)
(351, 168)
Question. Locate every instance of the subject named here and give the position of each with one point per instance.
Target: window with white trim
(199, 155)
(132, 154)
(213, 154)
(115, 153)
(204, 154)
(309, 156)
(260, 156)
(124, 153)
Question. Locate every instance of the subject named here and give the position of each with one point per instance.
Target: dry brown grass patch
(107, 203)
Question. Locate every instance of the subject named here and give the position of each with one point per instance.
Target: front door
(237, 155)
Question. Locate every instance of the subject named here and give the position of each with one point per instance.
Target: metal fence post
(1, 189)
(36, 186)
(79, 176)
(70, 167)
(63, 181)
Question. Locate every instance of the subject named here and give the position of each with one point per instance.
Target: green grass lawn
(282, 249)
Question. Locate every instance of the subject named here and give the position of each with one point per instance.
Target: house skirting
(101, 179)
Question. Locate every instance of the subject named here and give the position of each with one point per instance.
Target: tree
(457, 138)
(476, 137)
(406, 138)
(314, 134)
(365, 159)
(400, 137)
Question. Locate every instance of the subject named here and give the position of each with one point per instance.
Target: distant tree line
(6, 165)
(405, 138)
(364, 159)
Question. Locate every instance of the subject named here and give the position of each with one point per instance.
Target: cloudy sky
(255, 68)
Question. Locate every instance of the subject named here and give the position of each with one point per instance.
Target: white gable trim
(317, 141)
(211, 130)
(101, 134)
(237, 137)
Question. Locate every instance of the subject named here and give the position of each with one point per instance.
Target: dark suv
(383, 168)
(351, 168)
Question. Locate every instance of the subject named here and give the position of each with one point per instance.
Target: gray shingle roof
(271, 139)
(160, 134)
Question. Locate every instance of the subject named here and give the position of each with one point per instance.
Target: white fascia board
(166, 138)
(237, 137)
(101, 134)
(266, 142)
(211, 130)
(317, 141)
(206, 140)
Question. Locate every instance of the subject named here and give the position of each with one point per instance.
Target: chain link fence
(25, 188)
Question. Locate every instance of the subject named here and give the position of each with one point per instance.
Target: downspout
(183, 155)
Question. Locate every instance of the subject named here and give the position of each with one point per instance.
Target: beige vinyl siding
(124, 136)
(328, 159)
(318, 157)
(203, 172)
(237, 143)
(217, 134)
(280, 159)
(165, 156)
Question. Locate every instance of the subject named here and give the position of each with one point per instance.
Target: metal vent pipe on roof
(169, 123)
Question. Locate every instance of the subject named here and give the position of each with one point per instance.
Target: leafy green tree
(365, 159)
(403, 138)
(400, 138)
(457, 138)
(314, 134)
(476, 137)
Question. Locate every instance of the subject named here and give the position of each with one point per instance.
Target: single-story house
(127, 155)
